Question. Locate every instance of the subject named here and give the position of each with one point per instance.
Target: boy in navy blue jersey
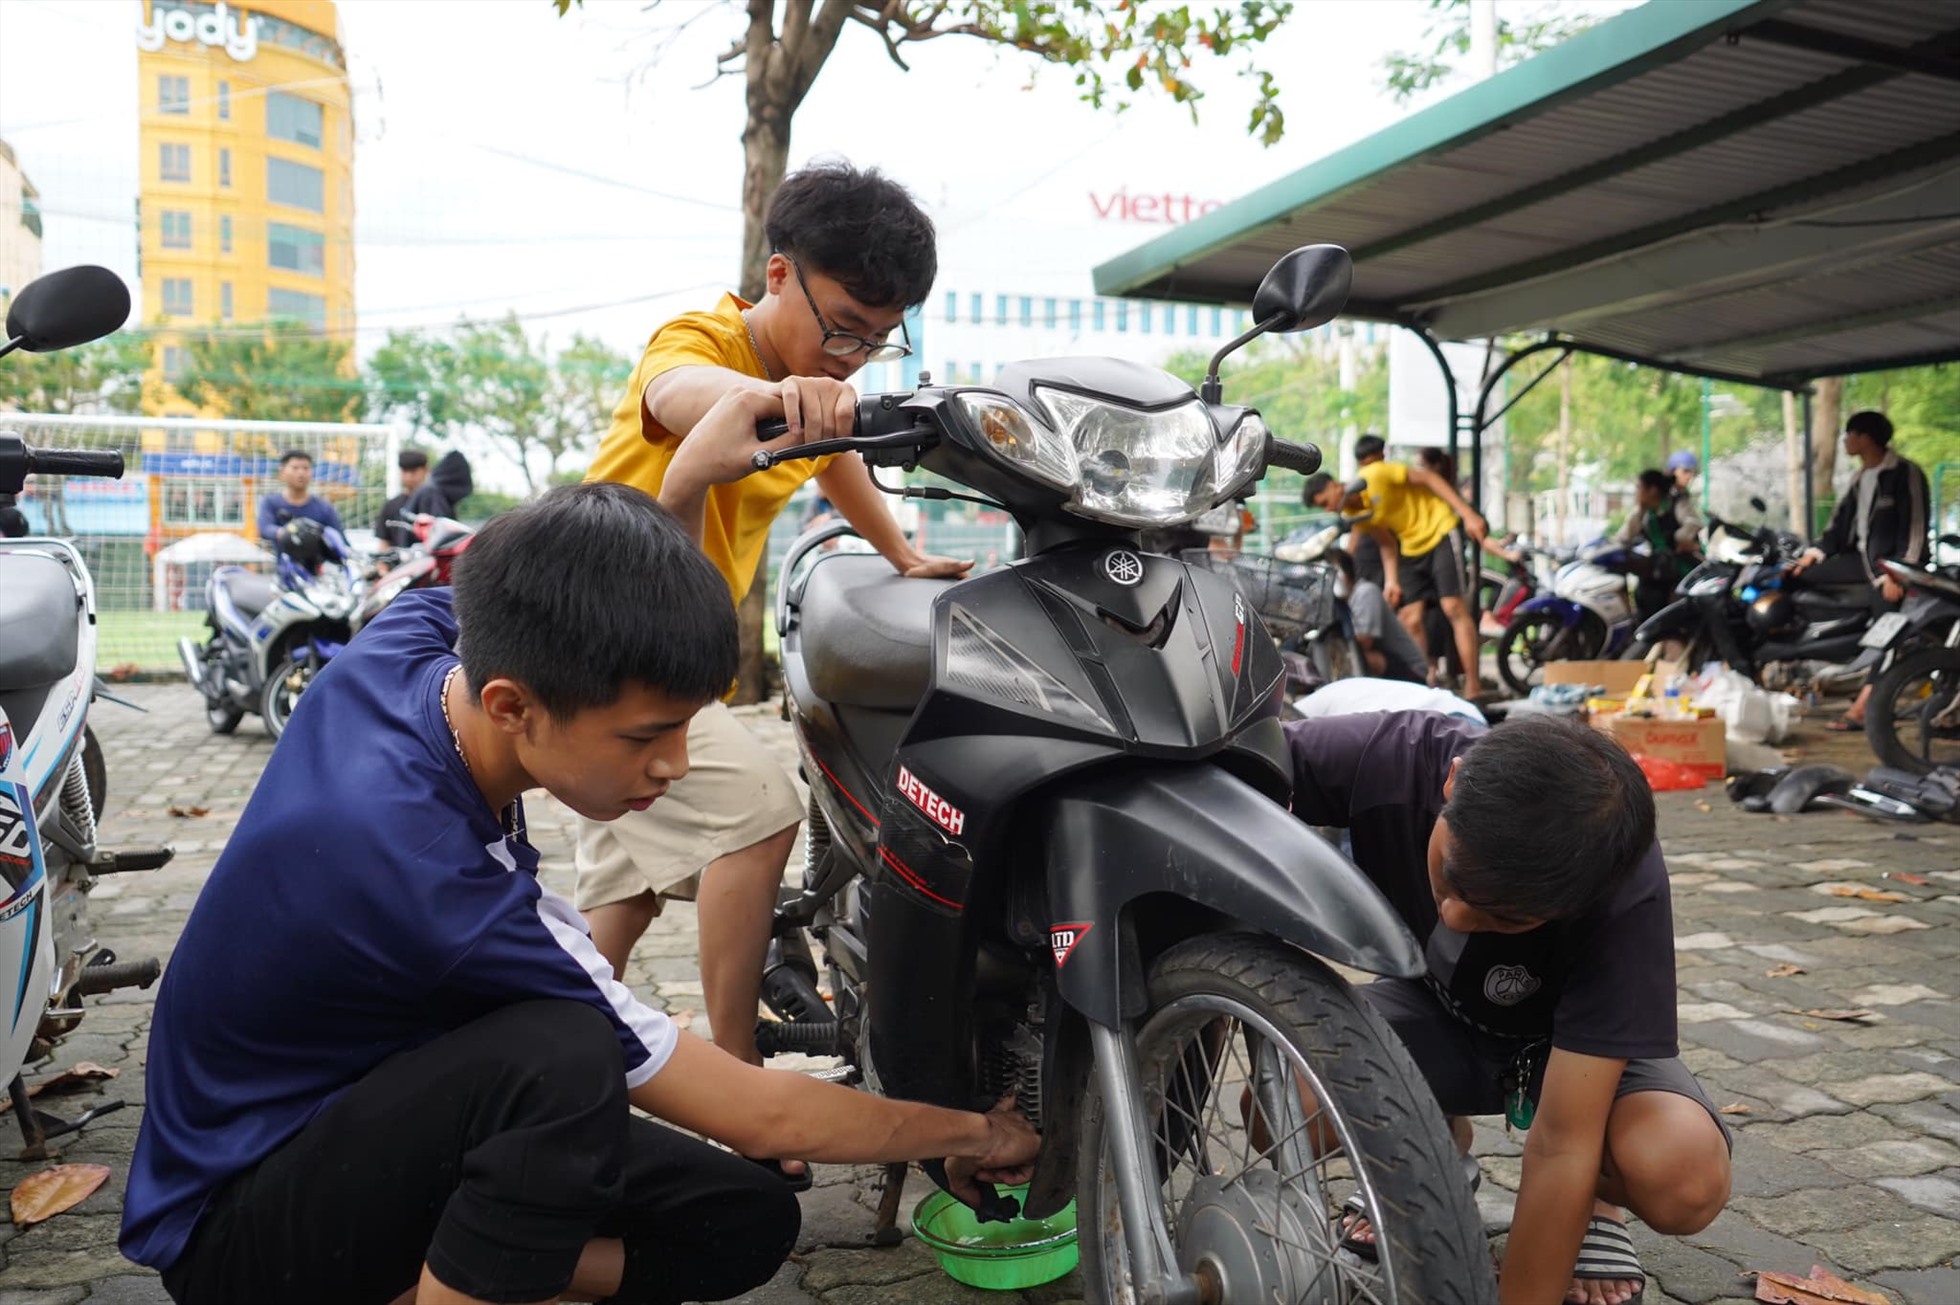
(1525, 857)
(387, 1065)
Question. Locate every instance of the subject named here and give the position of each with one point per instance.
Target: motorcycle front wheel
(1913, 718)
(1276, 1096)
(1534, 638)
(282, 692)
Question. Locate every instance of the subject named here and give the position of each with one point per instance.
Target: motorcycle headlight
(1138, 468)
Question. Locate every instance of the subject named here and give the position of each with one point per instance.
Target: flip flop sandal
(1607, 1255)
(1354, 1210)
(1845, 725)
(795, 1182)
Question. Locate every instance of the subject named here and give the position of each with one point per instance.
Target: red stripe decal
(846, 792)
(911, 876)
(1238, 651)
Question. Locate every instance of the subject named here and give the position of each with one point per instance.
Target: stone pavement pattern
(1848, 1155)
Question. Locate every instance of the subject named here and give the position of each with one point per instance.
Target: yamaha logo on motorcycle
(1107, 718)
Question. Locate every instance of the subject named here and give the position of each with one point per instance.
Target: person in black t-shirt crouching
(1525, 856)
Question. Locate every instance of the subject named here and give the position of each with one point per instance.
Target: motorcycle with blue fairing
(1049, 853)
(270, 636)
(52, 781)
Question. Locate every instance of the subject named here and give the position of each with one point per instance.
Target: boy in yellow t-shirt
(851, 253)
(1414, 514)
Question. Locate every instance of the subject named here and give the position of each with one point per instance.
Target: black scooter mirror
(1305, 289)
(1758, 504)
(66, 308)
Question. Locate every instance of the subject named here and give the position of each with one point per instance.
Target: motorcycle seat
(867, 632)
(1835, 598)
(250, 592)
(38, 604)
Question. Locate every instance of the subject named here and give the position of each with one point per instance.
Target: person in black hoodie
(1884, 515)
(439, 495)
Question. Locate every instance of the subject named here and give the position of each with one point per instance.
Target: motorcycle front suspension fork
(1133, 1168)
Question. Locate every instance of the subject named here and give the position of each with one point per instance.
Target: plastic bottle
(1674, 703)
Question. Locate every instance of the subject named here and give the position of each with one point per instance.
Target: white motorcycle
(52, 783)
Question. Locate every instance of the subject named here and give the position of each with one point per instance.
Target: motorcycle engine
(1012, 1063)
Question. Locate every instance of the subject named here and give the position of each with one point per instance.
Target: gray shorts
(1467, 1068)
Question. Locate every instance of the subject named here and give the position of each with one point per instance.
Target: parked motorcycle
(1049, 852)
(1912, 719)
(1746, 607)
(1587, 614)
(428, 563)
(270, 636)
(53, 785)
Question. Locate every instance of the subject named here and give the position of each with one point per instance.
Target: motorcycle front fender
(1567, 611)
(1201, 838)
(1677, 620)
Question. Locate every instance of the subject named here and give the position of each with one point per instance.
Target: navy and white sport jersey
(356, 912)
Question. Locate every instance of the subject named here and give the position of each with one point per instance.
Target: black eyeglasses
(842, 344)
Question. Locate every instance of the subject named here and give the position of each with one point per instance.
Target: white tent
(179, 571)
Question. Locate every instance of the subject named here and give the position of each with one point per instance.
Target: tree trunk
(1793, 460)
(765, 157)
(1826, 416)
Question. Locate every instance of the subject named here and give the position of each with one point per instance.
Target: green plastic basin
(996, 1256)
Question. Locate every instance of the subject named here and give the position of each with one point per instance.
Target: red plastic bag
(1668, 776)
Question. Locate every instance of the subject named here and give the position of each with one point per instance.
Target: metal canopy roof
(1762, 190)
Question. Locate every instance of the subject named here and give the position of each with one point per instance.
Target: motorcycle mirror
(1756, 502)
(66, 308)
(1305, 289)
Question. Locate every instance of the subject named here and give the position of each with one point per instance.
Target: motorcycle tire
(1905, 704)
(95, 771)
(1250, 998)
(1335, 657)
(279, 699)
(1532, 639)
(222, 717)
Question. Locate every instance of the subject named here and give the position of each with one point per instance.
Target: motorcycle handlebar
(1303, 458)
(76, 462)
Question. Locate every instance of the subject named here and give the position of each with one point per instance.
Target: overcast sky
(578, 173)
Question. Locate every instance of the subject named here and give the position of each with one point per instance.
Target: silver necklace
(757, 346)
(509, 814)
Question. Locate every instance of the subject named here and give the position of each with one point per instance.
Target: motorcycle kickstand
(886, 1232)
(37, 1127)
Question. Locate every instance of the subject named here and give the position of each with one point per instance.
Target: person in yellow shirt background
(1414, 514)
(851, 253)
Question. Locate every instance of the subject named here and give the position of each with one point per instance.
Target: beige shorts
(733, 796)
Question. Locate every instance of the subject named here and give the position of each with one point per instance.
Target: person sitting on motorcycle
(1415, 515)
(1526, 857)
(1386, 648)
(851, 252)
(1884, 516)
(1671, 543)
(413, 464)
(296, 499)
(387, 1064)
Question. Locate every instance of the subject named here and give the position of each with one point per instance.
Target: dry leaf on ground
(83, 1073)
(1702, 806)
(49, 1192)
(1738, 1108)
(1865, 894)
(1820, 1288)
(1784, 971)
(190, 811)
(1908, 877)
(1848, 1016)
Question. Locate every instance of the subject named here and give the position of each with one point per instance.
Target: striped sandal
(1354, 1213)
(1607, 1255)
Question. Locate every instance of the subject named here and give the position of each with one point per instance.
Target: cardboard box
(1699, 744)
(1618, 677)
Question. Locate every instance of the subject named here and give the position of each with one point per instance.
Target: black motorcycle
(1049, 853)
(1752, 610)
(1913, 718)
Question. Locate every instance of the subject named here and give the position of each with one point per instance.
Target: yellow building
(247, 157)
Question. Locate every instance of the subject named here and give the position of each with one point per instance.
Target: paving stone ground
(1848, 1155)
